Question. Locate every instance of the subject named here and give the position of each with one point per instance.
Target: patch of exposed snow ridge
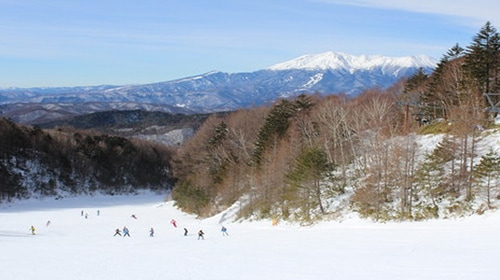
(197, 77)
(334, 60)
(313, 80)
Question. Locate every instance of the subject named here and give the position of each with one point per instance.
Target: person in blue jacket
(126, 232)
(224, 231)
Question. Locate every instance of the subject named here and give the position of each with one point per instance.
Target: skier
(201, 235)
(224, 231)
(185, 231)
(173, 222)
(32, 230)
(125, 232)
(151, 232)
(117, 232)
(134, 216)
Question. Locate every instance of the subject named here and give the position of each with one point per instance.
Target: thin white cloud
(477, 11)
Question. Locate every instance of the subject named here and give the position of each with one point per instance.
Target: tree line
(58, 162)
(314, 156)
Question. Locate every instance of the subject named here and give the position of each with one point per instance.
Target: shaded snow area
(73, 246)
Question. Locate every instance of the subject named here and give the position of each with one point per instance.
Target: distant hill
(166, 128)
(326, 73)
(138, 119)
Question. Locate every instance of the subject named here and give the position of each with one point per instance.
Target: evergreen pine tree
(275, 126)
(482, 59)
(309, 169)
(416, 81)
(487, 169)
(429, 177)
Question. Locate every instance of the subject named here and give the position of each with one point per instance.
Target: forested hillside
(35, 162)
(314, 157)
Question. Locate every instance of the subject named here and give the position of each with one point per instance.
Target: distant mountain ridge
(326, 73)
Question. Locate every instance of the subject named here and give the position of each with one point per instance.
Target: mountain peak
(338, 60)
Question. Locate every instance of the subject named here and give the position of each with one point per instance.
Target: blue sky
(94, 42)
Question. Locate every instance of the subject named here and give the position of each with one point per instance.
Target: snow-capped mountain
(351, 63)
(326, 73)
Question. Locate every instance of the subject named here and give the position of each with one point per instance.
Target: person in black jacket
(201, 235)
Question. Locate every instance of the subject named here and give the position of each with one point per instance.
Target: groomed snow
(75, 247)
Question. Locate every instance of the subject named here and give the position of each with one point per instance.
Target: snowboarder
(125, 232)
(151, 232)
(32, 230)
(173, 222)
(201, 235)
(117, 232)
(224, 231)
(48, 223)
(98, 212)
(185, 231)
